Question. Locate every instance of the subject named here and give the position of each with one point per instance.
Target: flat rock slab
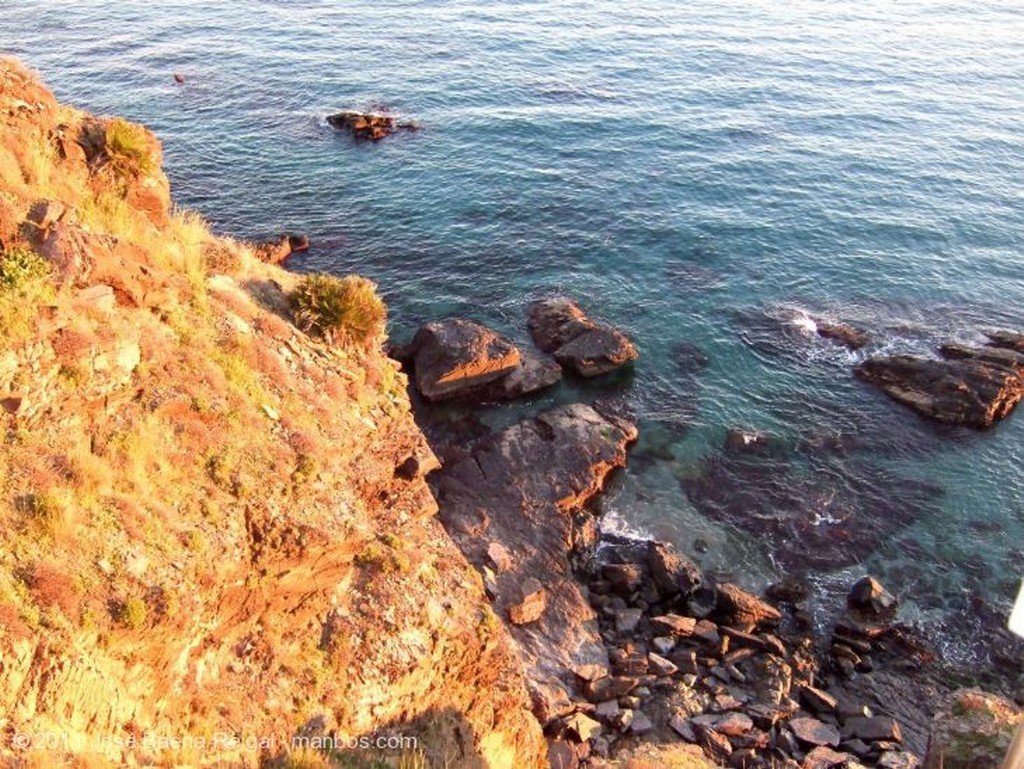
(455, 357)
(560, 327)
(525, 489)
(972, 386)
(814, 732)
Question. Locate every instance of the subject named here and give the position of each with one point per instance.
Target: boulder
(277, 250)
(560, 327)
(811, 731)
(740, 607)
(869, 597)
(671, 572)
(972, 386)
(455, 357)
(873, 729)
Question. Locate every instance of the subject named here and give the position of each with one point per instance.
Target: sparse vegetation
(129, 149)
(25, 284)
(132, 613)
(341, 310)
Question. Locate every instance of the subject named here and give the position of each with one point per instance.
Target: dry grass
(25, 286)
(341, 310)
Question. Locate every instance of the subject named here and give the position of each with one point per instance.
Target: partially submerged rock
(972, 386)
(869, 597)
(560, 327)
(276, 250)
(365, 125)
(455, 356)
(844, 334)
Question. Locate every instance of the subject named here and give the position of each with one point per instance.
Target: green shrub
(129, 149)
(341, 310)
(132, 613)
(21, 269)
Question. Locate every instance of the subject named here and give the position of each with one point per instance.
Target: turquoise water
(701, 175)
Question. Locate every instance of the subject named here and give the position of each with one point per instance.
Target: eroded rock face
(560, 327)
(972, 386)
(525, 488)
(455, 357)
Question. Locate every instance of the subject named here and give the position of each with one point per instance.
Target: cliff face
(215, 530)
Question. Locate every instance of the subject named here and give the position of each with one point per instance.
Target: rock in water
(843, 333)
(454, 357)
(868, 596)
(972, 386)
(560, 327)
(369, 126)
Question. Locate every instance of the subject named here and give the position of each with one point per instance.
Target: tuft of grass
(129, 149)
(25, 286)
(20, 268)
(341, 310)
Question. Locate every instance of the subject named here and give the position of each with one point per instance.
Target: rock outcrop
(524, 489)
(972, 386)
(560, 327)
(972, 729)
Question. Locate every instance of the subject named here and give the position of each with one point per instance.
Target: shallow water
(704, 175)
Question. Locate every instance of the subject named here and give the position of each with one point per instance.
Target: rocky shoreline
(627, 644)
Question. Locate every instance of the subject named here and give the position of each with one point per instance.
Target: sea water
(711, 177)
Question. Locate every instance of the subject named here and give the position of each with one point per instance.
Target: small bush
(129, 149)
(220, 258)
(21, 268)
(132, 613)
(341, 310)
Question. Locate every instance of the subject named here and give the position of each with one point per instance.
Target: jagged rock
(1008, 340)
(672, 572)
(660, 666)
(683, 728)
(823, 757)
(532, 604)
(623, 578)
(897, 759)
(560, 327)
(277, 250)
(868, 596)
(525, 488)
(740, 607)
(734, 724)
(609, 688)
(583, 727)
(970, 386)
(674, 625)
(814, 732)
(454, 357)
(818, 700)
(641, 723)
(363, 125)
(873, 729)
(535, 372)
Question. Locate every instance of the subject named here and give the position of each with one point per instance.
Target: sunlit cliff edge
(216, 542)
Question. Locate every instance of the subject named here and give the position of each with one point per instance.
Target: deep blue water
(700, 174)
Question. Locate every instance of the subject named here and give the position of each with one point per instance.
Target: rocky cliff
(216, 541)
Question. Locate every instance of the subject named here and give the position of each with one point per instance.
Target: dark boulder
(972, 386)
(276, 250)
(560, 327)
(737, 606)
(843, 333)
(672, 572)
(372, 127)
(869, 597)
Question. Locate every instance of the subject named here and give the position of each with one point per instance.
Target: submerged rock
(843, 333)
(972, 386)
(560, 327)
(869, 597)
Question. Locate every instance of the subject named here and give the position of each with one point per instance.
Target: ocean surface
(708, 176)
